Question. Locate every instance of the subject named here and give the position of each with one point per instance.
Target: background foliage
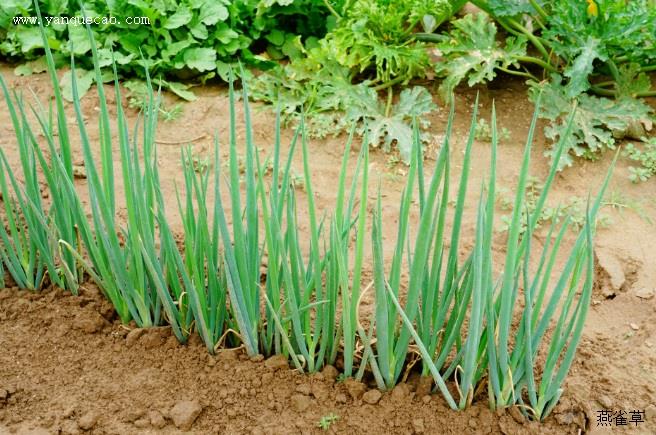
(188, 39)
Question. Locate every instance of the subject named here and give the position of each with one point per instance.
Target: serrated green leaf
(582, 66)
(472, 52)
(415, 102)
(293, 47)
(598, 122)
(631, 81)
(387, 131)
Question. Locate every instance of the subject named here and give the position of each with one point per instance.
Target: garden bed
(68, 364)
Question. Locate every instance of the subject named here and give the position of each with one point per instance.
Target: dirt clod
(134, 414)
(372, 397)
(277, 362)
(611, 270)
(68, 412)
(184, 413)
(424, 386)
(300, 402)
(88, 420)
(418, 425)
(156, 419)
(400, 392)
(142, 423)
(605, 401)
(320, 391)
(330, 373)
(151, 338)
(304, 389)
(645, 293)
(133, 336)
(355, 389)
(90, 322)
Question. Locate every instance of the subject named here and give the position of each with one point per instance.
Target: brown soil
(67, 366)
(64, 365)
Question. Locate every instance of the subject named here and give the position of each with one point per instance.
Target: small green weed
(645, 157)
(484, 132)
(325, 421)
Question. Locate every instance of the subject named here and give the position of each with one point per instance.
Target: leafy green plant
(377, 35)
(471, 51)
(138, 97)
(372, 48)
(598, 121)
(332, 108)
(580, 50)
(175, 40)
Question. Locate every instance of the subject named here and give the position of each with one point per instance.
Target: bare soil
(68, 366)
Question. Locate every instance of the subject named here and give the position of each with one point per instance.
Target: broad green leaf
(174, 48)
(29, 38)
(105, 57)
(199, 30)
(180, 90)
(181, 17)
(84, 80)
(201, 59)
(32, 67)
(276, 37)
(225, 34)
(213, 11)
(78, 42)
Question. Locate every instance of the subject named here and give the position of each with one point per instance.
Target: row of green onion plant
(459, 314)
(464, 322)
